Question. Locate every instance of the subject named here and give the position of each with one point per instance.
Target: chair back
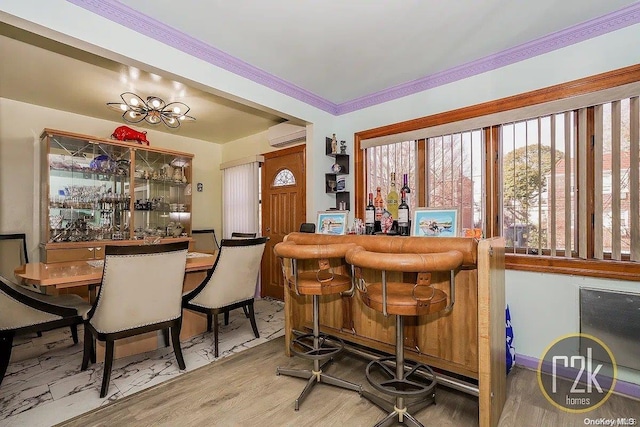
(205, 240)
(307, 227)
(141, 285)
(233, 276)
(13, 253)
(238, 235)
(19, 310)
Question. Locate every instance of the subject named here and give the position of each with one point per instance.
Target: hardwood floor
(243, 390)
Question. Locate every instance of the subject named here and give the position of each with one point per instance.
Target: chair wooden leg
(246, 312)
(88, 344)
(177, 350)
(252, 318)
(209, 320)
(6, 343)
(108, 364)
(165, 336)
(74, 333)
(215, 335)
(226, 317)
(93, 350)
(39, 334)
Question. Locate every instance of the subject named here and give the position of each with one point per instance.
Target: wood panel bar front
(469, 340)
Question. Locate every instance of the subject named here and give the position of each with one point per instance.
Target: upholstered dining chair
(205, 240)
(13, 253)
(141, 291)
(21, 313)
(230, 283)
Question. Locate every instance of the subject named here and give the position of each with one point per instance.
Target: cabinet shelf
(335, 182)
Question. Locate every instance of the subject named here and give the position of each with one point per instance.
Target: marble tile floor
(44, 386)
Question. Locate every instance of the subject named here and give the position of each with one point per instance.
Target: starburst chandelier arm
(154, 110)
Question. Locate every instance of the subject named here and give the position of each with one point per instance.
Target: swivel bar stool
(402, 299)
(321, 281)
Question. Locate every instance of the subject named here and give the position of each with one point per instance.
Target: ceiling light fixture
(154, 110)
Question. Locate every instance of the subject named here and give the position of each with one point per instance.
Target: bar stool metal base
(316, 346)
(402, 383)
(401, 415)
(315, 377)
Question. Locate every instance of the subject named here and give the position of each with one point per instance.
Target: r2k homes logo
(577, 373)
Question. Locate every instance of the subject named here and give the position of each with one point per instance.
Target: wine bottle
(370, 216)
(403, 215)
(406, 189)
(392, 198)
(378, 204)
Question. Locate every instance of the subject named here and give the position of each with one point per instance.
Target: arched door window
(284, 177)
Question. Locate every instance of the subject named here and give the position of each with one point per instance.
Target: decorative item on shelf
(334, 144)
(331, 222)
(154, 110)
(332, 184)
(335, 168)
(437, 222)
(343, 147)
(177, 175)
(125, 133)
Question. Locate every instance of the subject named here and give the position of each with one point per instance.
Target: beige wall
(20, 127)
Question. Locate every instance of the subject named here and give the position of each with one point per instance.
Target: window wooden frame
(622, 270)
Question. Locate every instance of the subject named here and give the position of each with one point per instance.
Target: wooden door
(283, 209)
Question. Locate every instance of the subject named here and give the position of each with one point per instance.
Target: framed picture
(435, 222)
(332, 222)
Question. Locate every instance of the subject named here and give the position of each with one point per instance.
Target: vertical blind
(240, 194)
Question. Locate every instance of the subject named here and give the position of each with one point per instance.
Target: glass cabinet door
(162, 195)
(88, 190)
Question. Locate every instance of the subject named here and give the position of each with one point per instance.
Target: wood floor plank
(244, 390)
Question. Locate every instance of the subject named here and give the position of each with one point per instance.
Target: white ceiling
(335, 49)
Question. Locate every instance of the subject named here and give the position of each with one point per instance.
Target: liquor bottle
(406, 189)
(370, 216)
(392, 198)
(403, 215)
(379, 205)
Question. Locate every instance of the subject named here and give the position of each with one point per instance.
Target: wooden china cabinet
(97, 191)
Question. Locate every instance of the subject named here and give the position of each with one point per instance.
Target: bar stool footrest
(410, 385)
(328, 346)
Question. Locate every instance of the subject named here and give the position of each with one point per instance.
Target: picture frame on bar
(435, 222)
(332, 222)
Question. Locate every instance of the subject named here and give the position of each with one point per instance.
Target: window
(557, 178)
(399, 158)
(538, 177)
(455, 175)
(284, 177)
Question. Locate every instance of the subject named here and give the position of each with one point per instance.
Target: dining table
(63, 277)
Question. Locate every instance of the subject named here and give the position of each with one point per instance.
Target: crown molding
(117, 12)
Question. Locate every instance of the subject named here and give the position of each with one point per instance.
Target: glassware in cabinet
(162, 195)
(87, 189)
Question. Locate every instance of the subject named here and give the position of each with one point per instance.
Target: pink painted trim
(117, 12)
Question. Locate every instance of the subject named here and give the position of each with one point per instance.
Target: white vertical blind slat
(240, 199)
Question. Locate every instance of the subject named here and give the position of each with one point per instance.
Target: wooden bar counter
(73, 276)
(468, 341)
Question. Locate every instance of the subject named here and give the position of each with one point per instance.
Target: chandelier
(154, 110)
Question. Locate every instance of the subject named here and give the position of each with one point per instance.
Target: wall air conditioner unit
(285, 134)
